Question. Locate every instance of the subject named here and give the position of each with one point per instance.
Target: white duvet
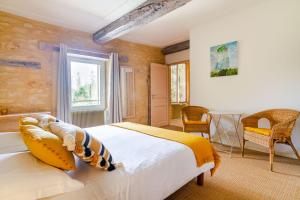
(153, 168)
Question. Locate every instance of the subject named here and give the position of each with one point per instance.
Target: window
(87, 82)
(179, 80)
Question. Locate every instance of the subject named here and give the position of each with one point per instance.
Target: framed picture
(224, 59)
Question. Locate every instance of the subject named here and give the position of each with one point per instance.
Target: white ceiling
(174, 27)
(84, 15)
(92, 15)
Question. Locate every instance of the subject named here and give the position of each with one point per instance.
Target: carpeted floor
(246, 178)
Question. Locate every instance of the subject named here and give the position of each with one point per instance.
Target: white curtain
(64, 86)
(113, 113)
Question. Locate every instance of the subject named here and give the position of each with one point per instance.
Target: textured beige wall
(34, 90)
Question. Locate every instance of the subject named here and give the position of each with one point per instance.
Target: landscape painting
(224, 59)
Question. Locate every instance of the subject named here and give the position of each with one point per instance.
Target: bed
(153, 168)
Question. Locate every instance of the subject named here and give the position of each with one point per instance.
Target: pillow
(67, 132)
(86, 148)
(44, 120)
(24, 177)
(28, 121)
(47, 147)
(39, 119)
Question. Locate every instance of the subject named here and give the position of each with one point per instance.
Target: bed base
(200, 179)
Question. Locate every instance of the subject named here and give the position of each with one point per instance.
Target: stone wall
(34, 90)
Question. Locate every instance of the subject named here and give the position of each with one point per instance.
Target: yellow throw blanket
(203, 150)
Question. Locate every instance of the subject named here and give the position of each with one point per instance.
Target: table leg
(230, 142)
(236, 127)
(217, 124)
(227, 136)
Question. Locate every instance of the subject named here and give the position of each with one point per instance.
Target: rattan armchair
(282, 122)
(192, 120)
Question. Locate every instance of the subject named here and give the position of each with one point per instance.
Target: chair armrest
(250, 121)
(283, 129)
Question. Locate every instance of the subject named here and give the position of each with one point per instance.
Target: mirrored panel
(127, 91)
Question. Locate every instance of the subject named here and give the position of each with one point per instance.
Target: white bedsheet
(11, 142)
(153, 168)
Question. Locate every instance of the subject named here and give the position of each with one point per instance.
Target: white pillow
(22, 176)
(65, 131)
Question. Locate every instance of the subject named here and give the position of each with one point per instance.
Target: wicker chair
(192, 120)
(282, 122)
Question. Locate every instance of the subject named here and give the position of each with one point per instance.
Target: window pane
(174, 83)
(85, 84)
(182, 82)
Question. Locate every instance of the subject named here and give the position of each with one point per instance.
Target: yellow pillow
(39, 119)
(28, 121)
(47, 147)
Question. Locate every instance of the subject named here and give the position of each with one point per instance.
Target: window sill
(87, 108)
(179, 104)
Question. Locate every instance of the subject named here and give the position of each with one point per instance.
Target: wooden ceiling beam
(176, 47)
(143, 14)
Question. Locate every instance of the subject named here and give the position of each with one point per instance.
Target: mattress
(153, 168)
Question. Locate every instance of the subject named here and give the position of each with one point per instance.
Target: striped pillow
(91, 150)
(87, 148)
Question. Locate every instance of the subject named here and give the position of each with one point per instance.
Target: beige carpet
(247, 178)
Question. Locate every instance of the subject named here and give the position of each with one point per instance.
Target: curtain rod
(55, 47)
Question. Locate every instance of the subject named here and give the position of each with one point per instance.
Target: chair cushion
(47, 147)
(262, 131)
(191, 122)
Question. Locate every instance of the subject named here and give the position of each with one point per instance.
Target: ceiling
(92, 15)
(84, 15)
(175, 26)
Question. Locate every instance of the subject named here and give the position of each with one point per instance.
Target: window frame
(187, 85)
(101, 81)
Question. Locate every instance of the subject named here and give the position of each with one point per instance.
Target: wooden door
(159, 95)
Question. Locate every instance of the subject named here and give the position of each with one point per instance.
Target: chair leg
(271, 150)
(243, 147)
(293, 147)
